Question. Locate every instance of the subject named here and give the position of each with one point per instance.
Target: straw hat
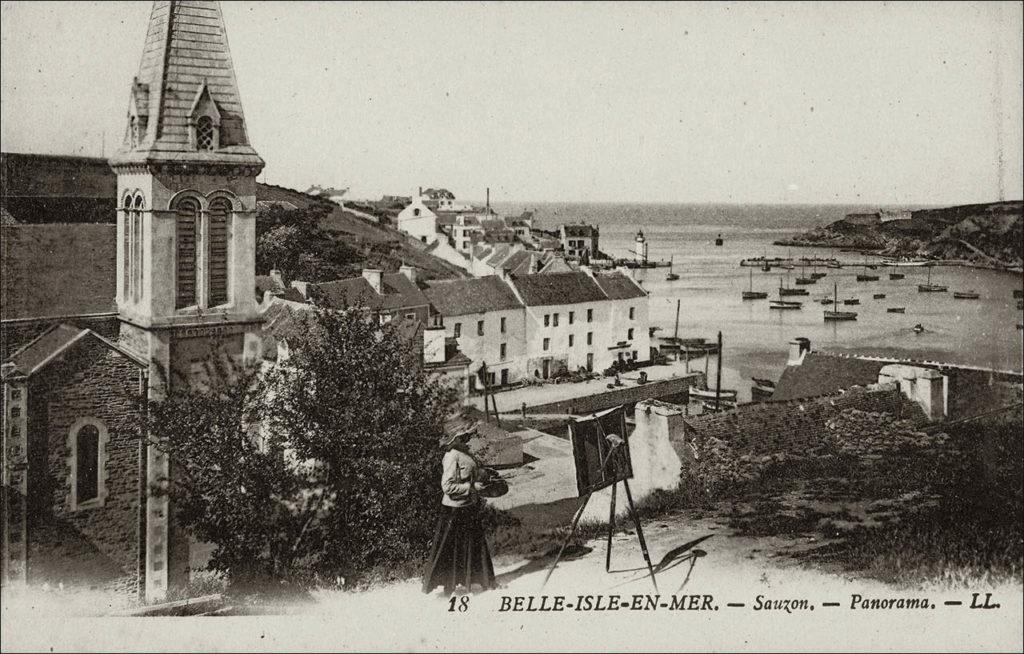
(456, 431)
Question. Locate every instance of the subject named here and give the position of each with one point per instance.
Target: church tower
(186, 225)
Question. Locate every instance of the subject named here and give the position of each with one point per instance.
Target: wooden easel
(611, 528)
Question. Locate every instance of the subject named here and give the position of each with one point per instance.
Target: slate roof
(577, 231)
(48, 271)
(822, 373)
(558, 288)
(459, 297)
(49, 345)
(618, 286)
(398, 292)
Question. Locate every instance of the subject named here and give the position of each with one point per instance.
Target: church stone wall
(98, 546)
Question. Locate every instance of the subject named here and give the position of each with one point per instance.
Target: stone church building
(78, 506)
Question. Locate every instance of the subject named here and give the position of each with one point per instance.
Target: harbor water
(978, 332)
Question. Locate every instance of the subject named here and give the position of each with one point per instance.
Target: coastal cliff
(991, 234)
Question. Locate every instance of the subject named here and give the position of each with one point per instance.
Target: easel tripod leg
(611, 530)
(640, 533)
(568, 537)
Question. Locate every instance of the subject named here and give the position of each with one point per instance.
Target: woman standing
(459, 555)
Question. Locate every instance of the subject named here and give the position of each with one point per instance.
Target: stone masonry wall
(97, 546)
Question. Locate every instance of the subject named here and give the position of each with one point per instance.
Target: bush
(319, 468)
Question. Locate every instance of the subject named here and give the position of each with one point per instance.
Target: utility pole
(718, 374)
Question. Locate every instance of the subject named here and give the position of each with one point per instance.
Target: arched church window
(126, 263)
(186, 229)
(220, 209)
(204, 133)
(137, 256)
(87, 463)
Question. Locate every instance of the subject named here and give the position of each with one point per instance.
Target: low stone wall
(668, 390)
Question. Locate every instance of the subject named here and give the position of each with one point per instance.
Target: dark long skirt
(459, 553)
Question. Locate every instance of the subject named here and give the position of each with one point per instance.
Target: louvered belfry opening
(186, 268)
(218, 267)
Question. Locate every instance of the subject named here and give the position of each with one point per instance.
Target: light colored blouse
(458, 479)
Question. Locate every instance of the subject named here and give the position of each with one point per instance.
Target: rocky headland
(984, 234)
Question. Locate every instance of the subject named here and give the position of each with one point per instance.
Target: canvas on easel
(600, 449)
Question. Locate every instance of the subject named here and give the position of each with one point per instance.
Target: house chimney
(421, 192)
(409, 272)
(376, 279)
(798, 347)
(277, 278)
(434, 345)
(488, 199)
(504, 272)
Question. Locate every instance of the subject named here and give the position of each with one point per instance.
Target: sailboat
(835, 313)
(803, 280)
(671, 276)
(966, 295)
(864, 277)
(785, 290)
(817, 275)
(752, 294)
(893, 274)
(929, 287)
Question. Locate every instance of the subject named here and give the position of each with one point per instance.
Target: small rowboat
(783, 291)
(851, 301)
(725, 394)
(878, 296)
(785, 304)
(896, 310)
(818, 275)
(867, 278)
(966, 295)
(754, 295)
(839, 315)
(805, 281)
(826, 301)
(896, 275)
(918, 328)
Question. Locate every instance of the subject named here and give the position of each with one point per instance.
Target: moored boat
(966, 295)
(835, 314)
(818, 275)
(867, 278)
(851, 301)
(835, 265)
(725, 394)
(918, 328)
(826, 300)
(905, 262)
(671, 276)
(896, 275)
(751, 294)
(929, 287)
(878, 296)
(784, 304)
(896, 310)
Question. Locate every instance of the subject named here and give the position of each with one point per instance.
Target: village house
(390, 295)
(580, 240)
(487, 320)
(537, 326)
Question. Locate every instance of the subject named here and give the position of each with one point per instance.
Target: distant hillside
(984, 233)
(45, 189)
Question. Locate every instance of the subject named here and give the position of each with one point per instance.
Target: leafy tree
(323, 465)
(292, 241)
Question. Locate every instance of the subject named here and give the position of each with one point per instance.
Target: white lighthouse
(640, 251)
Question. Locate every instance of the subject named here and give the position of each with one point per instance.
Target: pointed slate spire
(186, 74)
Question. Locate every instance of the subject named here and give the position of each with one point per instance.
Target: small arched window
(204, 133)
(87, 463)
(415, 212)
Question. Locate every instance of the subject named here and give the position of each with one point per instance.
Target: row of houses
(520, 327)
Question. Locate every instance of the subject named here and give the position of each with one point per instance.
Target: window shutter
(219, 210)
(188, 215)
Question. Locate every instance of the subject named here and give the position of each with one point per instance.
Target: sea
(755, 338)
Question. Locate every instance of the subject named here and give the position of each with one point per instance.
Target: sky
(899, 103)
